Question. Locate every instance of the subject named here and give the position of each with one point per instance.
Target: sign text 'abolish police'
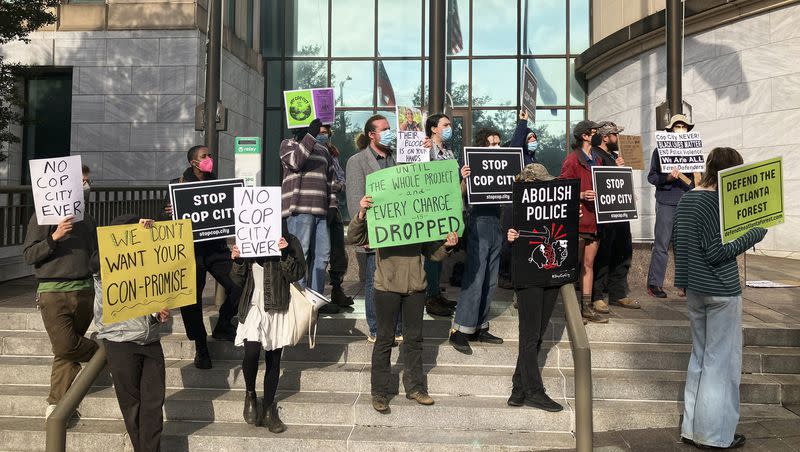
(492, 171)
(209, 204)
(614, 200)
(749, 196)
(414, 203)
(145, 270)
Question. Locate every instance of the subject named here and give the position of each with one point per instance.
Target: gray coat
(140, 330)
(358, 167)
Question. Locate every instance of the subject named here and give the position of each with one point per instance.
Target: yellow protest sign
(145, 270)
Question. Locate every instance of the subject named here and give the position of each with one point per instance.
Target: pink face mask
(206, 165)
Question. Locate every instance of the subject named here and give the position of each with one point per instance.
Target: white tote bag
(303, 306)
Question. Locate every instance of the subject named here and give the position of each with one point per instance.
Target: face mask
(206, 165)
(323, 138)
(386, 138)
(533, 146)
(447, 134)
(86, 188)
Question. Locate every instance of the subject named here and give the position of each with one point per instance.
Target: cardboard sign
(614, 200)
(681, 151)
(305, 105)
(528, 101)
(546, 214)
(258, 220)
(492, 173)
(415, 203)
(749, 196)
(57, 186)
(630, 147)
(209, 204)
(146, 270)
(410, 148)
(247, 160)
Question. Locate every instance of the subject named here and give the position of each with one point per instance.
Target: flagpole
(437, 56)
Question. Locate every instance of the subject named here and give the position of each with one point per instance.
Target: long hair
(482, 137)
(718, 160)
(433, 121)
(362, 140)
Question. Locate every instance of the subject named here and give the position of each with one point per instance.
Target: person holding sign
(670, 187)
(399, 287)
(136, 360)
(578, 165)
(524, 137)
(707, 269)
(262, 317)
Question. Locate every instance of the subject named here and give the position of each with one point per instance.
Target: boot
(272, 421)
(202, 360)
(339, 298)
(251, 410)
(588, 312)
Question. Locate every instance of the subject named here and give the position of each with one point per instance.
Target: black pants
(272, 359)
(388, 305)
(138, 374)
(338, 259)
(217, 261)
(613, 261)
(535, 306)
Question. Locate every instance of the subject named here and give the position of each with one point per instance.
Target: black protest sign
(492, 172)
(528, 100)
(209, 204)
(614, 201)
(546, 215)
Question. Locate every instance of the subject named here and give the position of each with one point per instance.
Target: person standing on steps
(669, 190)
(707, 269)
(338, 263)
(211, 256)
(399, 286)
(535, 306)
(375, 153)
(265, 297)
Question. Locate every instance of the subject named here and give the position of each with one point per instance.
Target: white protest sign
(681, 151)
(57, 185)
(410, 148)
(258, 220)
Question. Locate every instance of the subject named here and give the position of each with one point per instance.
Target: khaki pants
(66, 317)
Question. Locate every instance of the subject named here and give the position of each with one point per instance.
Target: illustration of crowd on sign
(412, 202)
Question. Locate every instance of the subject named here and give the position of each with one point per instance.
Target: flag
(456, 40)
(385, 90)
(545, 91)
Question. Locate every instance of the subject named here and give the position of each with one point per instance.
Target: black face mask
(596, 139)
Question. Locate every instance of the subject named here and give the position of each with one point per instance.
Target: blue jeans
(480, 276)
(312, 232)
(662, 236)
(433, 273)
(369, 299)
(711, 396)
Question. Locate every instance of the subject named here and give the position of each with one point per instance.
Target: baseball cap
(584, 126)
(608, 127)
(535, 172)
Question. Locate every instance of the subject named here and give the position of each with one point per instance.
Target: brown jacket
(398, 269)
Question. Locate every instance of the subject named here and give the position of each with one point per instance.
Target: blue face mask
(533, 146)
(387, 136)
(447, 134)
(323, 138)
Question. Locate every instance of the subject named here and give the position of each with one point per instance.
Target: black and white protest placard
(410, 148)
(258, 220)
(681, 151)
(614, 200)
(528, 101)
(546, 215)
(57, 185)
(209, 204)
(492, 172)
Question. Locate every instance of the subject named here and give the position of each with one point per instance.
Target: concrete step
(609, 384)
(109, 435)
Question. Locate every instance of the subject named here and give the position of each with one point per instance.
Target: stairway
(639, 369)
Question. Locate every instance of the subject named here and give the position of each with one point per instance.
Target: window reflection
(551, 75)
(353, 28)
(494, 82)
(578, 26)
(505, 121)
(346, 127)
(544, 26)
(577, 96)
(494, 28)
(399, 27)
(403, 79)
(306, 74)
(457, 27)
(551, 131)
(354, 82)
(273, 84)
(458, 82)
(312, 38)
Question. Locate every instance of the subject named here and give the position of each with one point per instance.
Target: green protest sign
(414, 203)
(749, 196)
(299, 108)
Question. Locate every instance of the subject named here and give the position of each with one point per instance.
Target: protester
(307, 197)
(375, 153)
(578, 165)
(535, 305)
(136, 360)
(669, 190)
(613, 260)
(488, 137)
(399, 286)
(525, 138)
(338, 262)
(264, 300)
(440, 131)
(86, 181)
(707, 269)
(211, 256)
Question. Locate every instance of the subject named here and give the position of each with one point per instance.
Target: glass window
(551, 131)
(354, 82)
(271, 28)
(353, 28)
(399, 81)
(578, 26)
(544, 27)
(458, 82)
(457, 27)
(504, 121)
(494, 28)
(577, 96)
(273, 84)
(575, 116)
(309, 35)
(346, 127)
(494, 82)
(552, 77)
(399, 27)
(273, 135)
(306, 74)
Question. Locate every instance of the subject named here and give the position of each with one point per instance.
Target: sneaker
(460, 342)
(517, 399)
(202, 360)
(543, 402)
(421, 397)
(588, 313)
(398, 339)
(435, 307)
(371, 339)
(486, 337)
(49, 411)
(445, 302)
(626, 302)
(329, 308)
(339, 298)
(380, 403)
(655, 291)
(601, 306)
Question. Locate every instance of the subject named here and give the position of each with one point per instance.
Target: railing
(105, 203)
(582, 364)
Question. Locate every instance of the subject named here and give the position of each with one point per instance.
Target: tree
(18, 18)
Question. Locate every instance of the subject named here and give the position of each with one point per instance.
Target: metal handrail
(56, 426)
(582, 365)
